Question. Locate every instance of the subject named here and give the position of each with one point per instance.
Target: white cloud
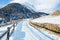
(40, 5)
(46, 5)
(18, 1)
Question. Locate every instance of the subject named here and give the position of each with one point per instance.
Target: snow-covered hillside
(48, 19)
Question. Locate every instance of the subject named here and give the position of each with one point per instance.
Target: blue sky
(4, 2)
(58, 6)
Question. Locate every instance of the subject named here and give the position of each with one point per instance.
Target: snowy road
(25, 32)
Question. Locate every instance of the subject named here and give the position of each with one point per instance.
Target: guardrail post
(8, 33)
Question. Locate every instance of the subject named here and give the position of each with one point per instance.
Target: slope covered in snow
(48, 19)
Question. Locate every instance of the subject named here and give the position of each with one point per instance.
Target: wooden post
(8, 33)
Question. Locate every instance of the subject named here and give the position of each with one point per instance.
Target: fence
(8, 32)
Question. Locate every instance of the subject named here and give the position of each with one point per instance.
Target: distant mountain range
(15, 11)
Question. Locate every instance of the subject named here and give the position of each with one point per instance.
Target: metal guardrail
(8, 32)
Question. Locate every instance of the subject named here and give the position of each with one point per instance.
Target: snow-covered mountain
(15, 11)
